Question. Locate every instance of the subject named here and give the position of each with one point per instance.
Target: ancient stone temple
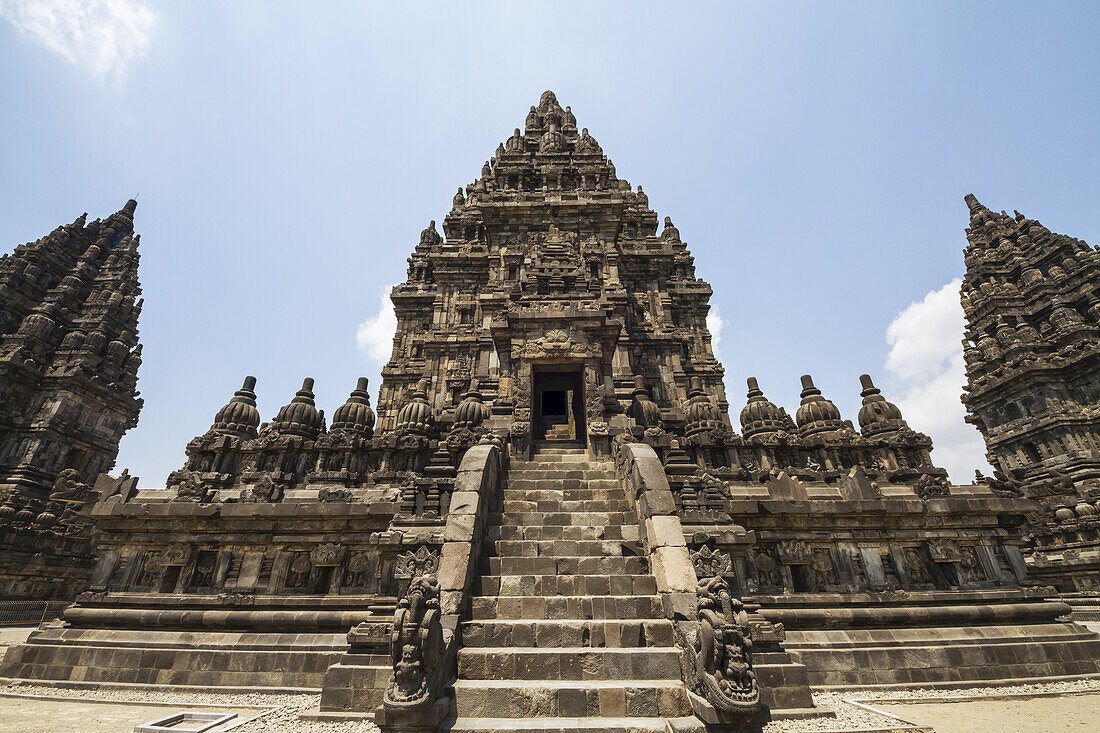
(553, 523)
(552, 289)
(1032, 303)
(69, 357)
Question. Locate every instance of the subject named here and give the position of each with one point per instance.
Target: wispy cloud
(714, 325)
(375, 335)
(926, 366)
(102, 37)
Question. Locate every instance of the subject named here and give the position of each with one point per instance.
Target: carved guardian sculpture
(723, 651)
(416, 649)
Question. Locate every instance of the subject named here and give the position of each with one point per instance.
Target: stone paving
(1035, 715)
(1044, 708)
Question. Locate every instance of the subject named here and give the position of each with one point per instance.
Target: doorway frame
(574, 373)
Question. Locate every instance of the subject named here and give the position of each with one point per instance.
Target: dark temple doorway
(559, 403)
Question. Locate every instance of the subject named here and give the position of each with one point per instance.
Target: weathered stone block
(664, 531)
(460, 528)
(673, 570)
(454, 564)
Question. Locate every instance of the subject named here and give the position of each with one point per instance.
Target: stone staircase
(567, 630)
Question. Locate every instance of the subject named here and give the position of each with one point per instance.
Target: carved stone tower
(69, 351)
(1032, 350)
(551, 289)
(69, 357)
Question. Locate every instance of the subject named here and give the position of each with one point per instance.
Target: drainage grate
(187, 722)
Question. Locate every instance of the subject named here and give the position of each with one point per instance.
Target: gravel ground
(283, 719)
(284, 716)
(848, 717)
(920, 694)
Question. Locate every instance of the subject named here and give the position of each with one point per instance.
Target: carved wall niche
(298, 571)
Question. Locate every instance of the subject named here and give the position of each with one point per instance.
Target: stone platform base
(934, 640)
(355, 683)
(228, 660)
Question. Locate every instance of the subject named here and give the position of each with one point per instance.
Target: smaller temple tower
(69, 352)
(69, 357)
(1032, 350)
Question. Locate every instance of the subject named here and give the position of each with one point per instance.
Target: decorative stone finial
(240, 415)
(355, 415)
(644, 410)
(670, 233)
(416, 415)
(877, 415)
(816, 413)
(472, 411)
(754, 394)
(300, 416)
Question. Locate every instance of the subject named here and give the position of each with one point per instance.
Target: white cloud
(926, 366)
(99, 36)
(714, 325)
(375, 335)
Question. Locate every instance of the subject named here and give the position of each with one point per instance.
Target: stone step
(500, 566)
(573, 488)
(566, 607)
(564, 457)
(566, 585)
(581, 492)
(573, 506)
(570, 698)
(625, 533)
(554, 633)
(535, 470)
(558, 474)
(561, 447)
(557, 725)
(590, 519)
(569, 663)
(558, 548)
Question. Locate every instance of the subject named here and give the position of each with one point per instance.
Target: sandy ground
(1035, 715)
(76, 716)
(1074, 706)
(14, 635)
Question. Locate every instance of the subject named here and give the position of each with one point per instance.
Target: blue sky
(285, 157)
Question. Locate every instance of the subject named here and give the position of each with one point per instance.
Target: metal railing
(26, 613)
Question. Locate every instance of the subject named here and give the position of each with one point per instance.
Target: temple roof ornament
(646, 412)
(816, 414)
(416, 416)
(760, 415)
(300, 416)
(514, 144)
(552, 141)
(877, 415)
(568, 121)
(700, 414)
(472, 411)
(587, 145)
(670, 233)
(429, 236)
(239, 416)
(355, 415)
